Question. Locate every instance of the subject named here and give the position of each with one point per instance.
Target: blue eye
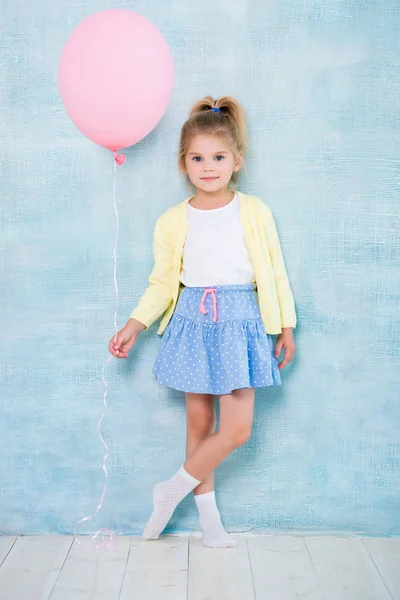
(219, 157)
(195, 158)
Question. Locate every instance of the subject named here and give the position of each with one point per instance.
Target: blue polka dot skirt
(216, 342)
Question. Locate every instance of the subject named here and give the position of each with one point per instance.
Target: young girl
(220, 281)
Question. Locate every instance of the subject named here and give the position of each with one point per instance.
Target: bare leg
(236, 416)
(201, 420)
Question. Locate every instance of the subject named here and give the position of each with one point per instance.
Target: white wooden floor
(261, 567)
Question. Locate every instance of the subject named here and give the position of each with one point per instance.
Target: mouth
(209, 178)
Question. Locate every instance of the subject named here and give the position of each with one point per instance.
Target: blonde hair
(229, 123)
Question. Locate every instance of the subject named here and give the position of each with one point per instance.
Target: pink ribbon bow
(203, 309)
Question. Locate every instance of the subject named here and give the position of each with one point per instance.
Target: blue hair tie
(216, 109)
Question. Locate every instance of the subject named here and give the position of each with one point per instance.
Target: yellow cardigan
(274, 292)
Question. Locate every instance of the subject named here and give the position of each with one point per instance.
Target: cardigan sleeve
(283, 289)
(158, 295)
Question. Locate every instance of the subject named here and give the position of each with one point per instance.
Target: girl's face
(210, 162)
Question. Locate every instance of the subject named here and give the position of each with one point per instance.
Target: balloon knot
(119, 158)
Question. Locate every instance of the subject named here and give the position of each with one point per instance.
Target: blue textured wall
(320, 82)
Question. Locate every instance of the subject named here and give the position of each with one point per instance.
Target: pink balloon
(116, 77)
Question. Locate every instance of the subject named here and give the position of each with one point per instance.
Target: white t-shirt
(215, 251)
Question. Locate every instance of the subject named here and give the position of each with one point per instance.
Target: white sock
(166, 497)
(214, 534)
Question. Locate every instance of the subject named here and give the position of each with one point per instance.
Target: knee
(201, 425)
(236, 437)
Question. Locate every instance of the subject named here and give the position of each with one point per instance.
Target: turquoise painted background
(320, 83)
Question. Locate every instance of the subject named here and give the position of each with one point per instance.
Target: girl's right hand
(120, 345)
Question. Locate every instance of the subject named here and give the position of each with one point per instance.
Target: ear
(238, 162)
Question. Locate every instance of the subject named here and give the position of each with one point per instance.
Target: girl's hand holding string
(285, 341)
(121, 345)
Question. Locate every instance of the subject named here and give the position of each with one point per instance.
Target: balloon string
(107, 536)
